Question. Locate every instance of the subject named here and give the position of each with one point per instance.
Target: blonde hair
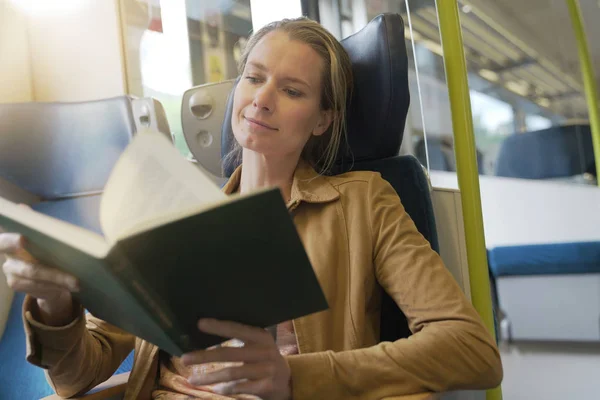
(320, 151)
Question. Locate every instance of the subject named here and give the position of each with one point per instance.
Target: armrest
(114, 386)
(418, 396)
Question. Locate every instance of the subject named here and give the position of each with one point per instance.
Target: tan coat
(359, 239)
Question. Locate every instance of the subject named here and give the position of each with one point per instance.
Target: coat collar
(308, 186)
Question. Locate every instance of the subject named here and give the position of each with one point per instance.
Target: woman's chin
(256, 144)
(258, 151)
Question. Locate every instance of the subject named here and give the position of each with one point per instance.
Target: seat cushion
(406, 176)
(559, 151)
(545, 259)
(80, 211)
(126, 365)
(18, 378)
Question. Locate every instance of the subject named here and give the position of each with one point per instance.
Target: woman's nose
(264, 98)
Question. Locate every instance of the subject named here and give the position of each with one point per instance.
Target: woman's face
(276, 106)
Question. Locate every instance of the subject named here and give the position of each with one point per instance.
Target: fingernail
(18, 241)
(186, 359)
(220, 388)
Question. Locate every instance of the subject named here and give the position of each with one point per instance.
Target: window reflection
(537, 122)
(173, 45)
(493, 120)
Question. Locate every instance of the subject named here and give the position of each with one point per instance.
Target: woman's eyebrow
(257, 65)
(263, 68)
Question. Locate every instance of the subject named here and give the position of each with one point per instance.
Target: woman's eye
(252, 79)
(293, 93)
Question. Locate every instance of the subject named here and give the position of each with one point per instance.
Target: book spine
(128, 275)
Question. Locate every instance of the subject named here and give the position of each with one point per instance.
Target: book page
(151, 181)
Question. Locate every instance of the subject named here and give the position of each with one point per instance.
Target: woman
(288, 120)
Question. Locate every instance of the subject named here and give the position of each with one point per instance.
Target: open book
(176, 249)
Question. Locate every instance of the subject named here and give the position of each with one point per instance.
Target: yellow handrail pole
(466, 163)
(589, 81)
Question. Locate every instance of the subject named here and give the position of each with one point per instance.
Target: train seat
(57, 157)
(563, 274)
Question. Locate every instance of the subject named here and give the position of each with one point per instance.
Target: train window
(519, 82)
(537, 122)
(525, 58)
(493, 120)
(172, 45)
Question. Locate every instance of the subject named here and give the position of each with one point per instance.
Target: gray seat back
(62, 153)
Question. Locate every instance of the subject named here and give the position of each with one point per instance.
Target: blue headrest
(550, 153)
(439, 153)
(59, 149)
(380, 98)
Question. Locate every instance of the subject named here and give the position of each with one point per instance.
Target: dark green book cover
(241, 261)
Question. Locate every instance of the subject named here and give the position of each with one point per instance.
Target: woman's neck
(259, 172)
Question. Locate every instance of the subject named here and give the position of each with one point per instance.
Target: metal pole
(589, 81)
(466, 163)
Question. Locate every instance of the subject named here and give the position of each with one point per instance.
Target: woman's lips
(257, 123)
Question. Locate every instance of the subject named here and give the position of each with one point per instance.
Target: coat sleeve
(450, 348)
(77, 356)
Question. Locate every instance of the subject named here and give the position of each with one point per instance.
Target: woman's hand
(264, 373)
(52, 288)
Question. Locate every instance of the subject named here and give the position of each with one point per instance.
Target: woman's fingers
(263, 388)
(40, 274)
(265, 372)
(10, 242)
(39, 290)
(13, 244)
(247, 371)
(250, 354)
